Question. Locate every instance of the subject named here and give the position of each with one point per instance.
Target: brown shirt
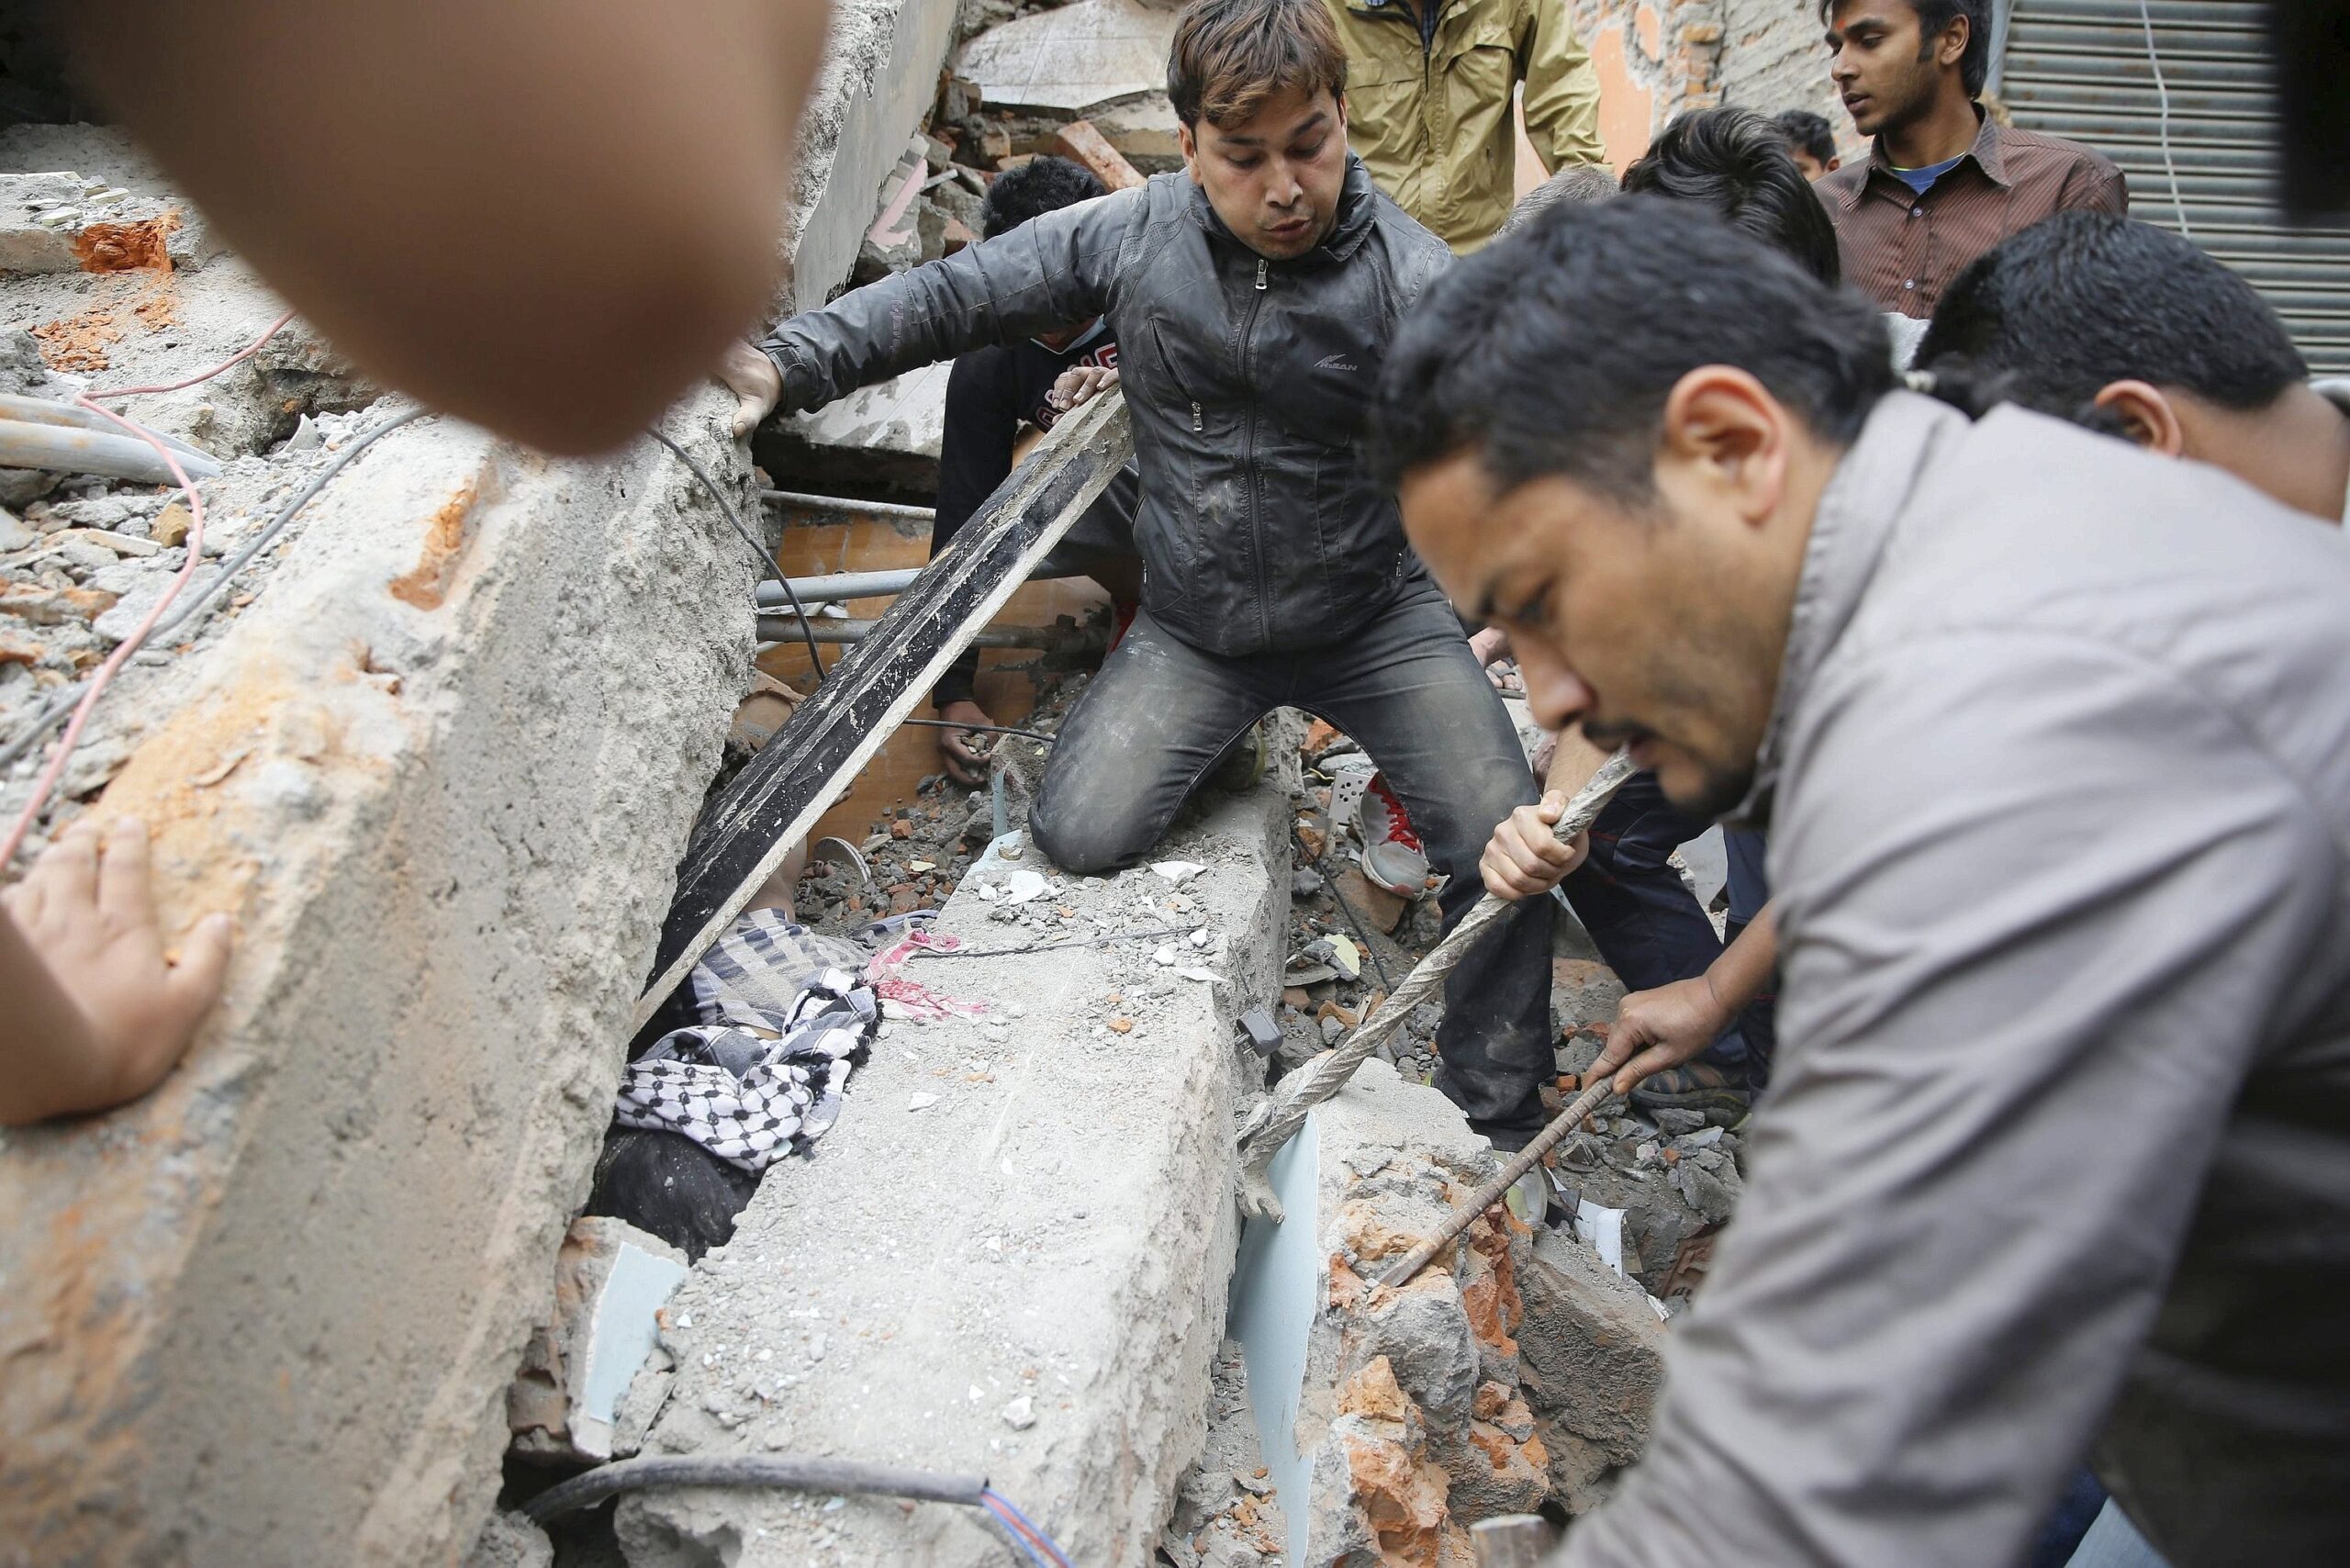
(1902, 248)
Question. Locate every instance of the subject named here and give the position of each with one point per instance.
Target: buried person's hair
(2052, 316)
(1034, 188)
(1553, 352)
(1808, 133)
(1229, 56)
(1736, 163)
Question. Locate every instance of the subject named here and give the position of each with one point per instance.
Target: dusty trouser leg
(1407, 688)
(1750, 890)
(1149, 729)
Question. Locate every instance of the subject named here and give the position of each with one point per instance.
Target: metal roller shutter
(2081, 69)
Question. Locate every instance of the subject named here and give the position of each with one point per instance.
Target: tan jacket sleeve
(1561, 88)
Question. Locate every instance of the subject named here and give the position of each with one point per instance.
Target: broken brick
(1080, 141)
(1380, 909)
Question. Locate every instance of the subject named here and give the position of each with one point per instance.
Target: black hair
(1934, 17)
(2049, 317)
(1032, 189)
(1552, 350)
(1736, 163)
(1808, 133)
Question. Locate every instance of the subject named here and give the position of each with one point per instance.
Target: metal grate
(2080, 69)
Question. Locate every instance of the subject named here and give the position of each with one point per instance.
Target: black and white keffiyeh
(781, 1028)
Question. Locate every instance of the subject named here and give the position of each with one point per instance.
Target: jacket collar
(1988, 151)
(1864, 498)
(1358, 215)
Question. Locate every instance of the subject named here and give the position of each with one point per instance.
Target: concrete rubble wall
(441, 772)
(1011, 1257)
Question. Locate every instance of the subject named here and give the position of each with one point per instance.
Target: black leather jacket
(1246, 380)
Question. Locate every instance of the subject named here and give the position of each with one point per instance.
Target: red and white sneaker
(1392, 856)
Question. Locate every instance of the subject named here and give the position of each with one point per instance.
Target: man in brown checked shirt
(1943, 182)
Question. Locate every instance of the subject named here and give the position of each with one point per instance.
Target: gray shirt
(2058, 1147)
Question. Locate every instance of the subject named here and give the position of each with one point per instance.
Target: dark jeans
(1406, 687)
(1647, 925)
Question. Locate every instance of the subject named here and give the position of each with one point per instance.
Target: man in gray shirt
(2053, 739)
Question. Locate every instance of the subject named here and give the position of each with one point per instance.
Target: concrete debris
(509, 1540)
(1591, 1350)
(609, 1283)
(1071, 59)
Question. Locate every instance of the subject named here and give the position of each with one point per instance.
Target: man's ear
(1186, 144)
(2144, 415)
(1834, 164)
(1950, 48)
(1720, 420)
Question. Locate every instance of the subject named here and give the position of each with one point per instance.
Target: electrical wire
(48, 718)
(2161, 123)
(765, 560)
(1059, 1558)
(238, 358)
(1011, 1529)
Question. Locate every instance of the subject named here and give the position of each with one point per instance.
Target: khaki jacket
(1435, 123)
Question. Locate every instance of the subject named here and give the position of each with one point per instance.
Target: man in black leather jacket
(1253, 298)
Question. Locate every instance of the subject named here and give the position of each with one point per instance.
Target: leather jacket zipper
(1196, 425)
(1256, 495)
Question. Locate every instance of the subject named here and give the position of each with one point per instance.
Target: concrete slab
(1072, 58)
(880, 75)
(903, 417)
(440, 771)
(1012, 1254)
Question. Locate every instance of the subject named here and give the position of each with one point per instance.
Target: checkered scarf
(785, 1017)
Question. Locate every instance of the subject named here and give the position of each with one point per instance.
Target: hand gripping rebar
(1281, 1113)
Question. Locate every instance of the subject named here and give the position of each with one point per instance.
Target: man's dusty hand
(87, 913)
(1079, 385)
(1491, 648)
(959, 749)
(757, 384)
(1658, 1029)
(1525, 857)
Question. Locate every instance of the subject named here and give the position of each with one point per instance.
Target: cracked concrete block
(1593, 1350)
(1048, 1239)
(1069, 60)
(440, 771)
(609, 1282)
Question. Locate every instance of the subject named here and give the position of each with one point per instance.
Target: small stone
(901, 829)
(1121, 1025)
(1331, 1030)
(921, 1102)
(1021, 1413)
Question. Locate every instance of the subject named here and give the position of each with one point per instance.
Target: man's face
(1657, 624)
(1812, 167)
(1275, 177)
(1882, 69)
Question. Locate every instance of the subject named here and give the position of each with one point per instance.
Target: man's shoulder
(1418, 250)
(2055, 151)
(1837, 187)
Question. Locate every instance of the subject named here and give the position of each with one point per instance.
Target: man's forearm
(1743, 971)
(1573, 762)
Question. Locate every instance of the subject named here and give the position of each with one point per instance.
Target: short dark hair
(1736, 163)
(1032, 189)
(2052, 316)
(1934, 17)
(1808, 133)
(1553, 350)
(1229, 56)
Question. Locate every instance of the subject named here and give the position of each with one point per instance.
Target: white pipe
(74, 451)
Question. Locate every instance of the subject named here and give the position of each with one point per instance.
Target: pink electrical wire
(62, 752)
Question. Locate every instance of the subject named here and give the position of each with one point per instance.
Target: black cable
(765, 560)
(990, 729)
(792, 1471)
(63, 704)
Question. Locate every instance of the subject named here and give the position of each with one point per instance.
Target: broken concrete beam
(1069, 60)
(609, 1282)
(881, 76)
(1079, 140)
(1012, 1254)
(1143, 129)
(274, 1307)
(38, 216)
(883, 435)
